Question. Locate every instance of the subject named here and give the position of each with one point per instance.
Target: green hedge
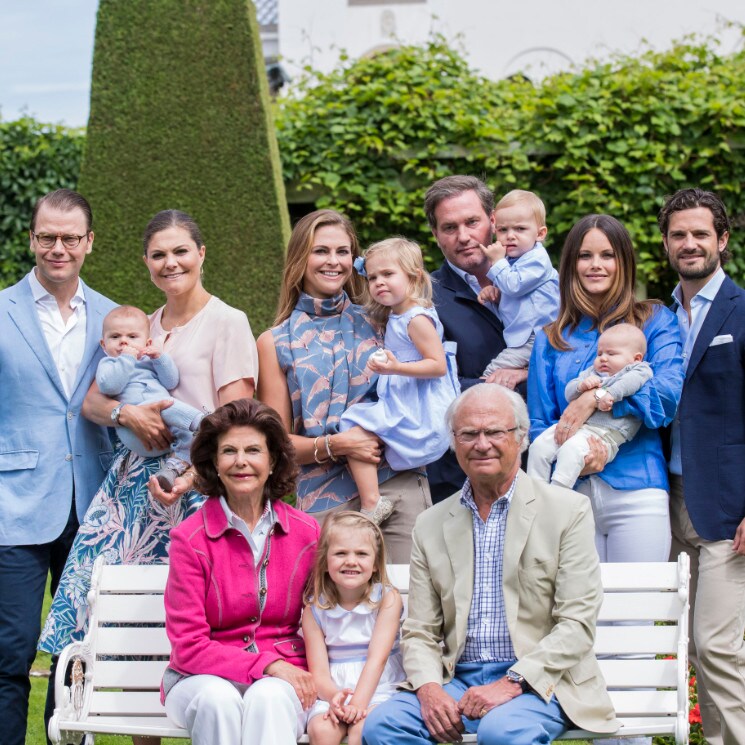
(369, 137)
(34, 159)
(180, 119)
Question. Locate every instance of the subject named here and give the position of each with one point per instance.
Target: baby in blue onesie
(136, 373)
(525, 285)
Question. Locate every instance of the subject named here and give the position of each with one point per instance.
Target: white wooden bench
(121, 695)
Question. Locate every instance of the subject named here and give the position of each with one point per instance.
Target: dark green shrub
(179, 119)
(35, 158)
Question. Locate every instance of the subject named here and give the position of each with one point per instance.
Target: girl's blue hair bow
(359, 265)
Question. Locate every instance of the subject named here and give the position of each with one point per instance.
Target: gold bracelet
(328, 448)
(315, 452)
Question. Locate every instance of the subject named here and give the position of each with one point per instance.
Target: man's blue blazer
(712, 419)
(48, 451)
(479, 336)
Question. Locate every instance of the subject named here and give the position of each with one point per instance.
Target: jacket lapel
(519, 521)
(458, 533)
(451, 281)
(93, 324)
(23, 313)
(720, 309)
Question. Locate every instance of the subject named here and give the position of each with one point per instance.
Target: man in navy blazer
(460, 212)
(707, 454)
(51, 459)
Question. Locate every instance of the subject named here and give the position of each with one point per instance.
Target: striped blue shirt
(487, 638)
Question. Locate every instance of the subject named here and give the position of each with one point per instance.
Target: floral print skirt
(123, 523)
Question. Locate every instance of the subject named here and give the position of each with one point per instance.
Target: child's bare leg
(354, 733)
(325, 732)
(365, 475)
(146, 740)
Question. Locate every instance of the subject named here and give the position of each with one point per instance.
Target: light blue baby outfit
(409, 415)
(143, 381)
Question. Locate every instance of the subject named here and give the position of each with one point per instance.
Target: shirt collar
(707, 292)
(467, 500)
(41, 293)
(267, 516)
(469, 279)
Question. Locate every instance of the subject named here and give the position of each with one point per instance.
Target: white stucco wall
(499, 38)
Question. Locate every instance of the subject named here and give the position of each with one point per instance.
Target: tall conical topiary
(180, 119)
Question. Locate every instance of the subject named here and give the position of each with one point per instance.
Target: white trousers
(630, 525)
(215, 710)
(569, 457)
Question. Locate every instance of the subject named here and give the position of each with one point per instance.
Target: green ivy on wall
(372, 135)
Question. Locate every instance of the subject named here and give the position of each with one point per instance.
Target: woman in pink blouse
(211, 343)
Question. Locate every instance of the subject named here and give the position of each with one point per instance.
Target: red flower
(694, 716)
(692, 681)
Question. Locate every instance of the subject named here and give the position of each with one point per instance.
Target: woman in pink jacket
(238, 569)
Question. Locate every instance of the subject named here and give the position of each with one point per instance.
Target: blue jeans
(23, 576)
(525, 720)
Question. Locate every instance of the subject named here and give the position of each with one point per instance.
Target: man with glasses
(51, 459)
(503, 598)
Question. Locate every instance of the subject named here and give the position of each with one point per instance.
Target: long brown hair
(322, 591)
(618, 305)
(298, 251)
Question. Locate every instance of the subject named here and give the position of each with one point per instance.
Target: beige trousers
(717, 624)
(409, 491)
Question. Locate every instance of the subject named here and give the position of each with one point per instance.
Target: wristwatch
(600, 394)
(115, 413)
(514, 677)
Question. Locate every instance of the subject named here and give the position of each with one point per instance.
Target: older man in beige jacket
(504, 595)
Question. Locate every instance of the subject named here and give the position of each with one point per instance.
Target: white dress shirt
(473, 283)
(66, 340)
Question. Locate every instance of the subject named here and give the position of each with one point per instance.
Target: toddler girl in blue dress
(418, 378)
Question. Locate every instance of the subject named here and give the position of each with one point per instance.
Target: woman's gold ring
(482, 713)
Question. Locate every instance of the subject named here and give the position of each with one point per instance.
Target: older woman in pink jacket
(238, 568)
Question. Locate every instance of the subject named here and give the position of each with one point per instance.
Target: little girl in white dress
(351, 629)
(418, 376)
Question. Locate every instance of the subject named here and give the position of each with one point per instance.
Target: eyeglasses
(46, 240)
(469, 436)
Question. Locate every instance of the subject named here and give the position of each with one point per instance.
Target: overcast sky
(46, 51)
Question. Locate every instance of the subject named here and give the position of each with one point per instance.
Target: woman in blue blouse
(597, 276)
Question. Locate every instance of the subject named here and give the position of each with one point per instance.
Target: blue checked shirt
(488, 638)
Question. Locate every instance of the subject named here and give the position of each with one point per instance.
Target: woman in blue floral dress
(130, 518)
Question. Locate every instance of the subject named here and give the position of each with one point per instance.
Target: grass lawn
(35, 732)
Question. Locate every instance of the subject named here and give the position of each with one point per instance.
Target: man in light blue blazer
(51, 459)
(707, 454)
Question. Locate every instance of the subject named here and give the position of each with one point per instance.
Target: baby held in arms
(618, 371)
(135, 372)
